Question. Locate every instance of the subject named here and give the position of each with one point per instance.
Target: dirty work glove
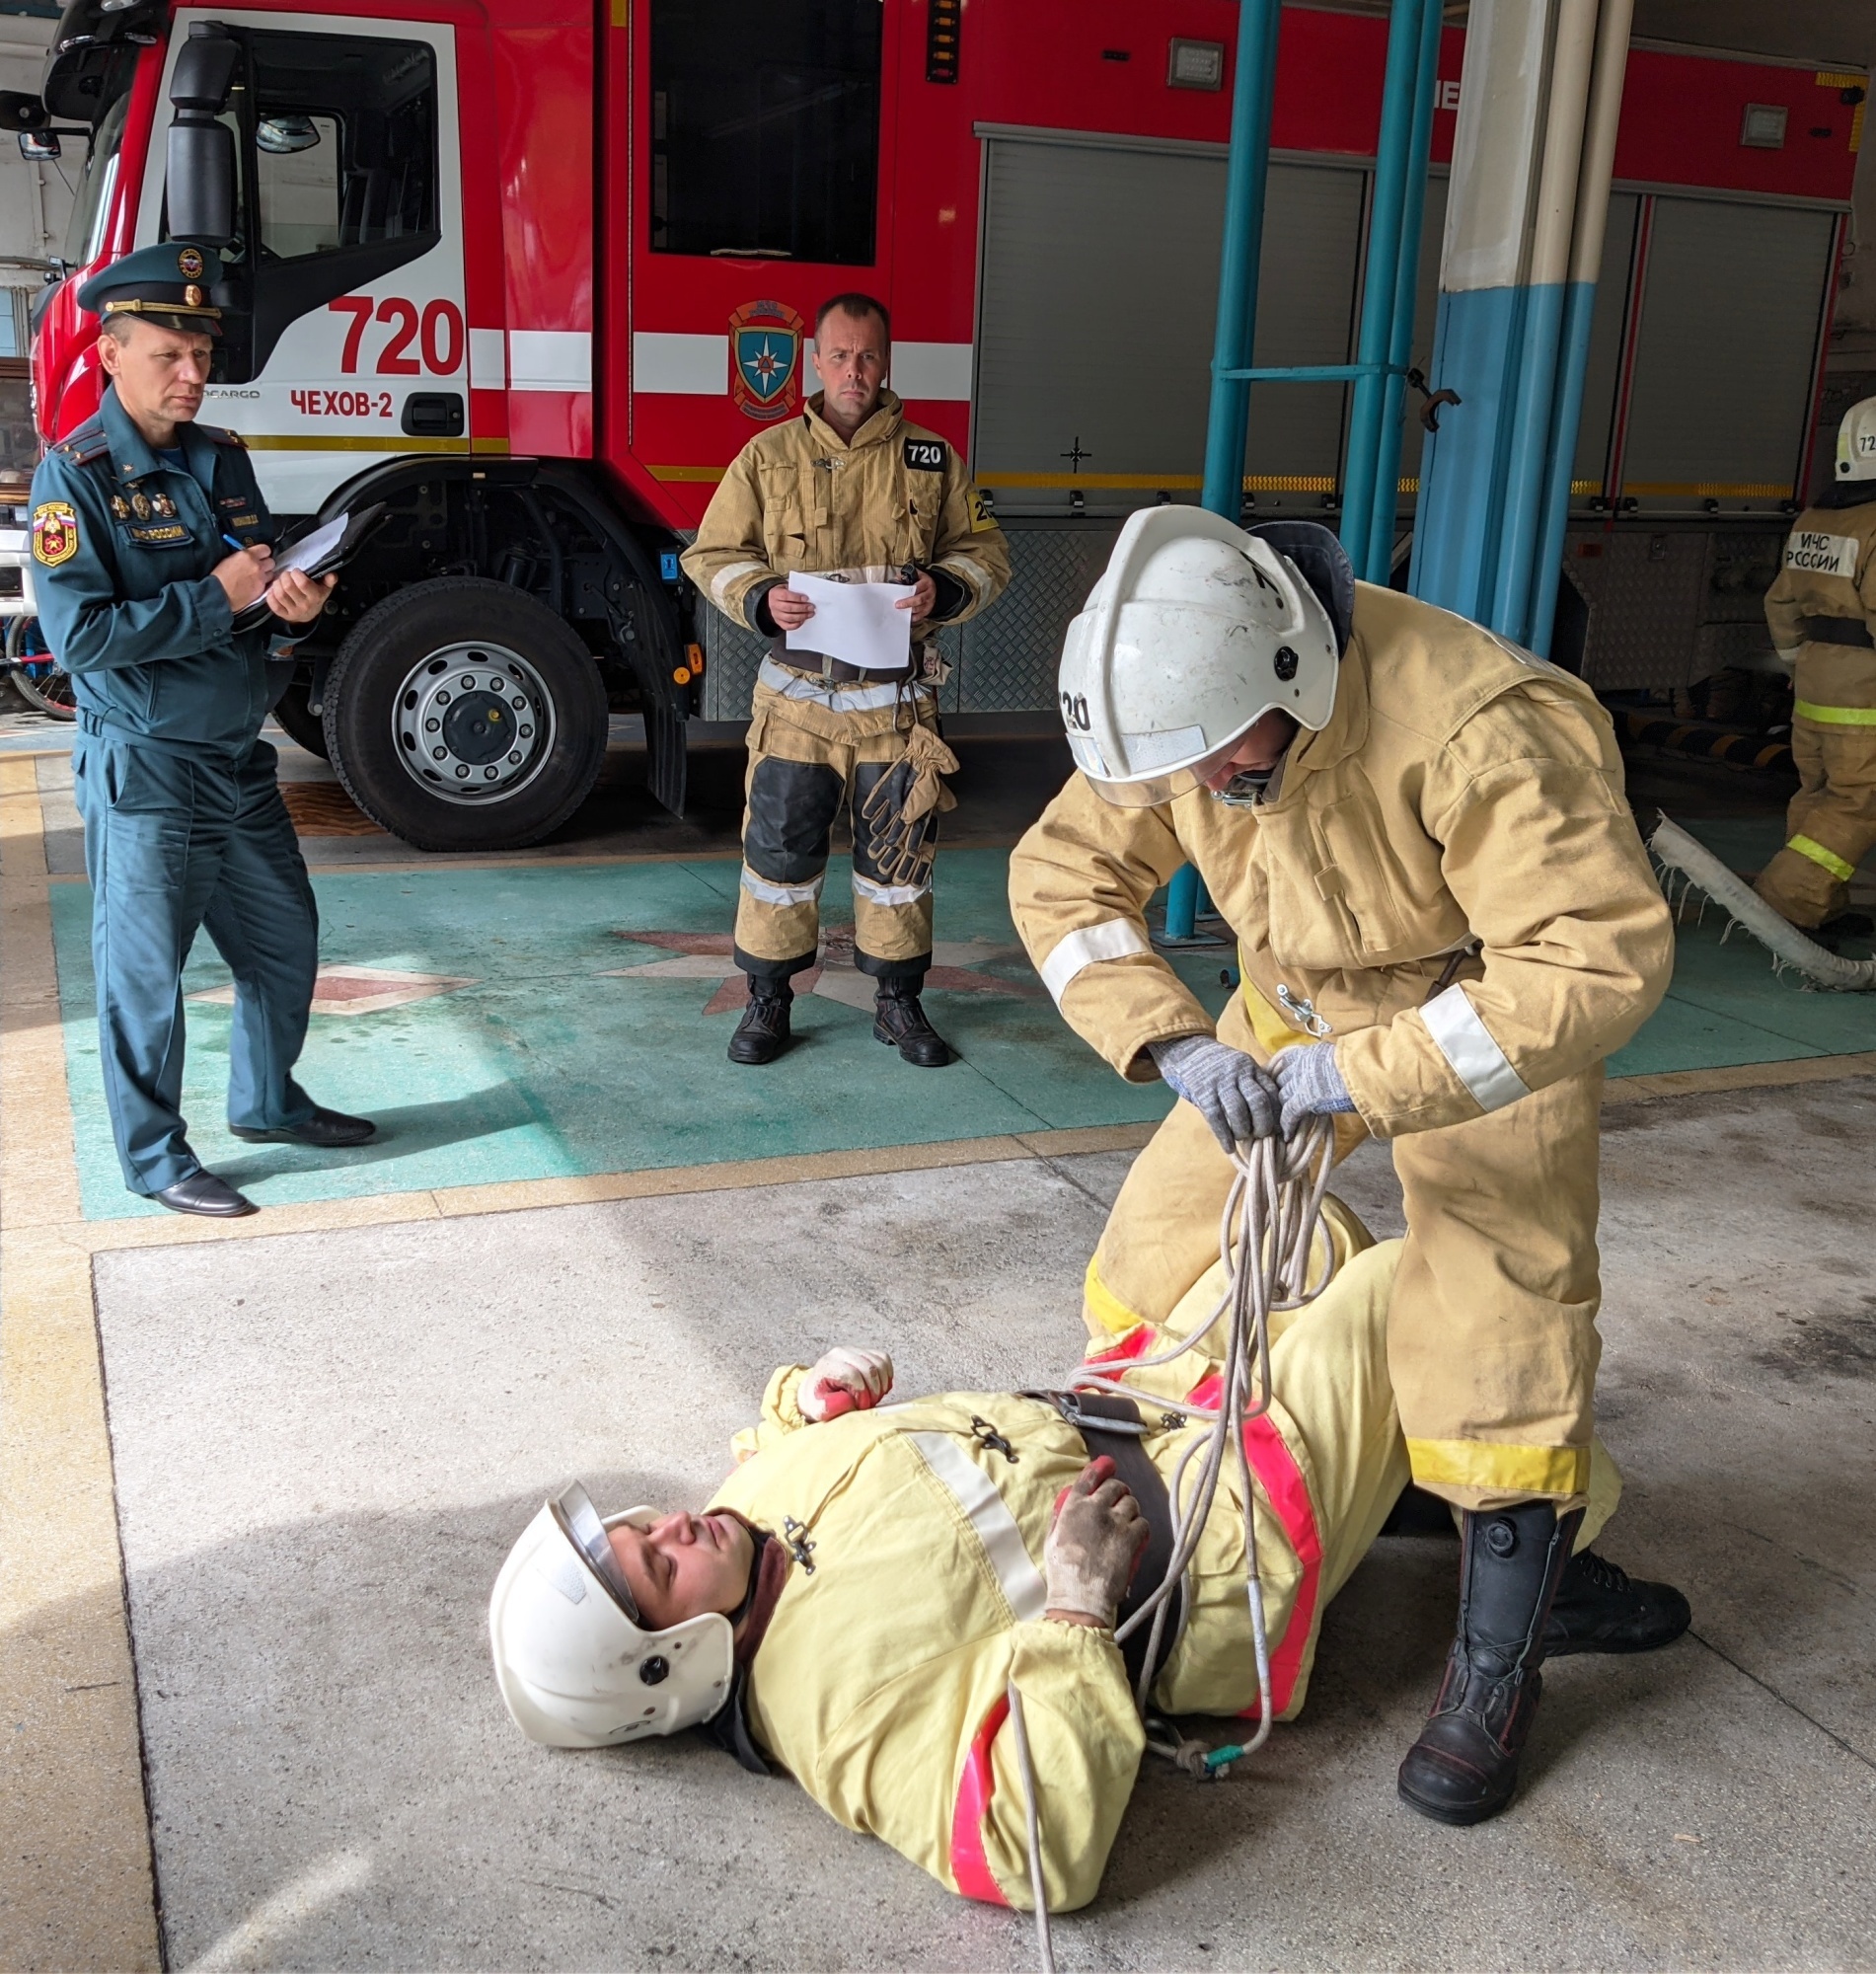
(1311, 1085)
(844, 1381)
(1096, 1539)
(900, 807)
(1229, 1090)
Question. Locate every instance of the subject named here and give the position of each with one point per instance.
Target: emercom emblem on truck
(766, 339)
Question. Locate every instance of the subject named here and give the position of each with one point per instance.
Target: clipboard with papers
(320, 551)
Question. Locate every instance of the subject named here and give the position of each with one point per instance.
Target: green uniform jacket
(123, 546)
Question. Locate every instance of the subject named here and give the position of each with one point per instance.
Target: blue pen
(232, 542)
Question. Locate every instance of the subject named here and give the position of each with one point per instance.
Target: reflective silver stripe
(888, 894)
(1466, 1044)
(996, 1527)
(766, 893)
(840, 698)
(966, 571)
(1113, 938)
(733, 572)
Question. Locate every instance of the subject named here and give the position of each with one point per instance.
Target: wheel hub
(473, 723)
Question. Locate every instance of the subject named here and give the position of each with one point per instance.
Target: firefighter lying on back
(849, 487)
(859, 1597)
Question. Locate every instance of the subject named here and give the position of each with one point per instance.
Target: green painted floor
(553, 1062)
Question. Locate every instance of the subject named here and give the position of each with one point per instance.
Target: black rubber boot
(1464, 1766)
(763, 1033)
(1847, 928)
(898, 1018)
(1600, 1608)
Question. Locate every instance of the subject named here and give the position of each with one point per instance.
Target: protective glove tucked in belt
(1235, 1095)
(1309, 1085)
(898, 808)
(1096, 1539)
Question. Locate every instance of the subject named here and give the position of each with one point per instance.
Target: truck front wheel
(462, 714)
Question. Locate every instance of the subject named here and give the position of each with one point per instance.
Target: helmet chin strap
(1245, 789)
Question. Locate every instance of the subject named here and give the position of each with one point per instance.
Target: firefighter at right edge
(1444, 920)
(850, 487)
(1822, 611)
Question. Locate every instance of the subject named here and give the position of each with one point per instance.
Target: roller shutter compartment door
(1724, 359)
(1098, 290)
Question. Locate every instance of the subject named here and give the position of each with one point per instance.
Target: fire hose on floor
(1269, 1230)
(1680, 855)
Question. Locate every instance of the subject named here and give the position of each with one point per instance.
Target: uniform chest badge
(164, 505)
(765, 341)
(54, 533)
(119, 506)
(140, 506)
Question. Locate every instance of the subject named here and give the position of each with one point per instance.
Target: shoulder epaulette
(87, 443)
(222, 435)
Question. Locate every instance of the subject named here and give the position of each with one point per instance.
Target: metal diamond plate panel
(1645, 592)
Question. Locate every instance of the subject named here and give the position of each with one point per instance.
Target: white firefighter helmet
(1856, 444)
(1194, 632)
(575, 1667)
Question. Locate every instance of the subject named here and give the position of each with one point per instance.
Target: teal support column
(1186, 899)
(1377, 566)
(1253, 87)
(1379, 282)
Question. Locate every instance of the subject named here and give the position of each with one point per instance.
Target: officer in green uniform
(149, 535)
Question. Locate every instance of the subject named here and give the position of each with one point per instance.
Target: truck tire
(296, 720)
(462, 714)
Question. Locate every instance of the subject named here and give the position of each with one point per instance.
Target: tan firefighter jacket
(1822, 611)
(799, 497)
(918, 1595)
(1462, 794)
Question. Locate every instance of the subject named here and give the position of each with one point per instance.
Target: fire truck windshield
(91, 210)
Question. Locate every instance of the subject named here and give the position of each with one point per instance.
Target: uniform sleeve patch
(1819, 554)
(924, 455)
(983, 515)
(54, 533)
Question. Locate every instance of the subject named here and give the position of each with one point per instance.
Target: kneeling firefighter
(1446, 920)
(872, 1592)
(1822, 613)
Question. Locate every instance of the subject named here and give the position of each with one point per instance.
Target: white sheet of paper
(321, 541)
(858, 622)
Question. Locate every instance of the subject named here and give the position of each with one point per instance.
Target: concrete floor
(324, 1445)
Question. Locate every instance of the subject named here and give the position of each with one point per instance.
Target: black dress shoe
(762, 1033)
(203, 1192)
(898, 1018)
(327, 1129)
(1464, 1768)
(1600, 1608)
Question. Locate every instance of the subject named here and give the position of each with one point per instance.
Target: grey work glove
(1311, 1085)
(1235, 1095)
(1096, 1539)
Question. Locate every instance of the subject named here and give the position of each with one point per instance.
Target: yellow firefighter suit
(799, 498)
(1821, 611)
(1447, 883)
(916, 1595)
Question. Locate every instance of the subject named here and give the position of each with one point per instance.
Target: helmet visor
(1157, 789)
(579, 1522)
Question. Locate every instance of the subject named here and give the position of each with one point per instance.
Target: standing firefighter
(133, 519)
(1445, 921)
(1821, 611)
(850, 489)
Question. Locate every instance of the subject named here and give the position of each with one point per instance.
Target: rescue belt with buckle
(1113, 1426)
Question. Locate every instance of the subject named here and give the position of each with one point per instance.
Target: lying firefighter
(861, 1598)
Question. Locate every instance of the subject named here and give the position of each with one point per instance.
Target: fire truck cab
(531, 275)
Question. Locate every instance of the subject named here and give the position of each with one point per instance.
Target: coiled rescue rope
(1269, 1230)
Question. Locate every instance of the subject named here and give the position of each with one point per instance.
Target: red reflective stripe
(1134, 1344)
(1272, 1462)
(975, 1786)
(1207, 1392)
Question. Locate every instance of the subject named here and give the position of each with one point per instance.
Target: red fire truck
(532, 274)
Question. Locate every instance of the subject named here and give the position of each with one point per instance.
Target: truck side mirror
(34, 146)
(201, 161)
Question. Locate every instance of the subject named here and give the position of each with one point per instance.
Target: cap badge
(188, 264)
(192, 296)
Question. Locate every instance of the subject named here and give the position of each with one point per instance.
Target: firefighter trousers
(1831, 825)
(809, 763)
(1491, 1326)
